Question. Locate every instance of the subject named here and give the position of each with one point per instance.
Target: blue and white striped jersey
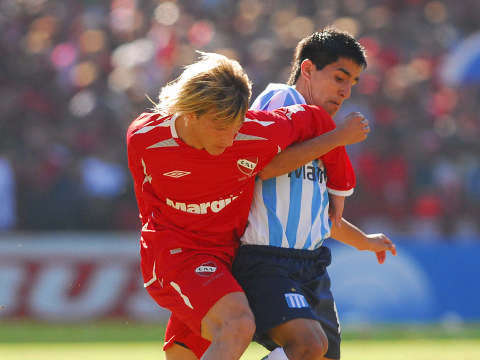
(291, 210)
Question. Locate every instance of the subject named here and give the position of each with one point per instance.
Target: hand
(335, 209)
(354, 128)
(380, 244)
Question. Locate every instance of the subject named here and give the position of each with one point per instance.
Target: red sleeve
(135, 164)
(297, 123)
(341, 177)
(292, 124)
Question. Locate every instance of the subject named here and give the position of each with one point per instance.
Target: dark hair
(325, 47)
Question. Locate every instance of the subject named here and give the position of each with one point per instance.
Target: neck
(302, 87)
(183, 125)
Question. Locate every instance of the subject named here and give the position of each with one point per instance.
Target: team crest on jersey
(206, 269)
(247, 166)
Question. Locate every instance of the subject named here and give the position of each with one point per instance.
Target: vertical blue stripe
(269, 194)
(294, 209)
(319, 218)
(265, 99)
(308, 241)
(297, 97)
(324, 228)
(289, 99)
(316, 202)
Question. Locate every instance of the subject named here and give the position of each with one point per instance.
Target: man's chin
(215, 152)
(333, 109)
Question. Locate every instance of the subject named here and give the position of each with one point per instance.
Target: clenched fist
(354, 128)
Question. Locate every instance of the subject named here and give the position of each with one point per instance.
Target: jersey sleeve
(341, 177)
(276, 98)
(137, 170)
(291, 124)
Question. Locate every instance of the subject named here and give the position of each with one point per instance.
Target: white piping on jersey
(336, 315)
(146, 128)
(164, 143)
(241, 136)
(148, 178)
(172, 126)
(153, 279)
(184, 297)
(263, 123)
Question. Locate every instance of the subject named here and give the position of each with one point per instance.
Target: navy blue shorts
(285, 284)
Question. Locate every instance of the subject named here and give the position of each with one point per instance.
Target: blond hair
(214, 84)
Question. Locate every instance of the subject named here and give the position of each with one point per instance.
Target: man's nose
(346, 91)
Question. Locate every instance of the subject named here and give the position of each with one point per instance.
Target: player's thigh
(231, 308)
(304, 332)
(178, 352)
(189, 283)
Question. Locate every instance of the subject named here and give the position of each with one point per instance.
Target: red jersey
(189, 198)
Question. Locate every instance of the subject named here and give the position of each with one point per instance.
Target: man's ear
(307, 66)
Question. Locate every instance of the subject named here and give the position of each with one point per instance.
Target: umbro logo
(177, 173)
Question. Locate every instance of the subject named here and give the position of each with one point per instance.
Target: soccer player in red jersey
(194, 161)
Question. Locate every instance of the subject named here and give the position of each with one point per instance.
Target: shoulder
(149, 126)
(259, 126)
(277, 95)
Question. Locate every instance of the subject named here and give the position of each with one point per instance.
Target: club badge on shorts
(206, 269)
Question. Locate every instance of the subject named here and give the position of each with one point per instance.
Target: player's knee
(243, 326)
(237, 326)
(308, 348)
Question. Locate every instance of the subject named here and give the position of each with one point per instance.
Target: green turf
(408, 349)
(411, 349)
(122, 340)
(121, 331)
(105, 331)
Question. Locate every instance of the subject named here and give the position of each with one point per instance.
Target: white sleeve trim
(340, 192)
(153, 279)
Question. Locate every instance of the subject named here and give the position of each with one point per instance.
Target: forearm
(349, 234)
(300, 154)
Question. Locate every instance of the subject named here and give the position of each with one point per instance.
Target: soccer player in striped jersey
(194, 161)
(282, 262)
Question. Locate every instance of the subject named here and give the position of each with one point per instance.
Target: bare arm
(299, 154)
(354, 129)
(353, 236)
(335, 209)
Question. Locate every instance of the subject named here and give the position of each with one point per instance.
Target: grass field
(126, 341)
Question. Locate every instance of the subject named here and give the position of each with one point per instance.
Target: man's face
(214, 136)
(332, 85)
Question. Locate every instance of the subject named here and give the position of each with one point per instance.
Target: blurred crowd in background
(74, 74)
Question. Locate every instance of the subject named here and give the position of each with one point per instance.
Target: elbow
(361, 247)
(264, 175)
